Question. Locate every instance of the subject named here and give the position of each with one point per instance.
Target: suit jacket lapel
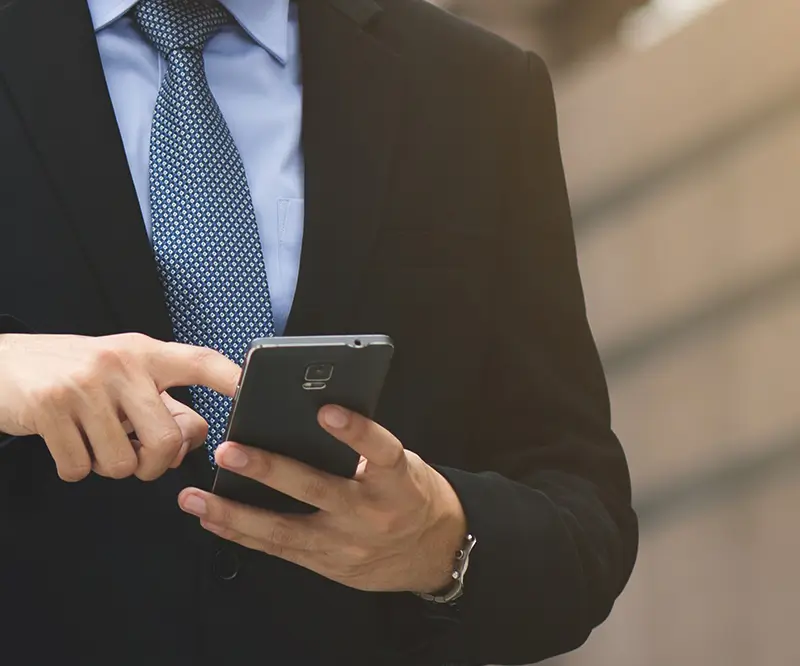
(50, 64)
(352, 93)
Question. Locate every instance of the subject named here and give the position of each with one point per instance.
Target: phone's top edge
(326, 340)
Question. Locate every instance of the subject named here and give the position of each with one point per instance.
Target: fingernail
(336, 418)
(196, 505)
(233, 457)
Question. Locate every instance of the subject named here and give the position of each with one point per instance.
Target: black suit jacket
(436, 213)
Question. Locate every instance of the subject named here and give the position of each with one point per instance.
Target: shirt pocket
(291, 215)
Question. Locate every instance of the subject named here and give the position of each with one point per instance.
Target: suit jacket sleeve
(548, 492)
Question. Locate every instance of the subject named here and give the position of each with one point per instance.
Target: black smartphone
(284, 383)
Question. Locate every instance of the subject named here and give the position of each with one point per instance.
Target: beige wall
(684, 169)
(683, 163)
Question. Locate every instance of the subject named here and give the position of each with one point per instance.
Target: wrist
(445, 536)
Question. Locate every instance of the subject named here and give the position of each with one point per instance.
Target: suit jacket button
(226, 564)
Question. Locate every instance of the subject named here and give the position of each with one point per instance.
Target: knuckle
(356, 556)
(123, 354)
(281, 535)
(383, 529)
(384, 525)
(347, 501)
(125, 351)
(85, 380)
(169, 439)
(197, 434)
(72, 473)
(411, 458)
(173, 348)
(132, 340)
(56, 397)
(315, 490)
(201, 425)
(108, 358)
(125, 345)
(204, 355)
(121, 468)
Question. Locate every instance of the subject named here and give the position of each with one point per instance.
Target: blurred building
(680, 130)
(561, 31)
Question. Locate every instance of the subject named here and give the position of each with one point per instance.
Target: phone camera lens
(319, 372)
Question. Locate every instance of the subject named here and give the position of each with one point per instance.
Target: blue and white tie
(205, 236)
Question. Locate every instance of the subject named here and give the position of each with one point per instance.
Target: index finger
(291, 477)
(176, 364)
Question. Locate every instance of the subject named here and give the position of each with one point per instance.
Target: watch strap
(456, 590)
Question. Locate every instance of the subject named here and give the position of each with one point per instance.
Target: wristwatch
(456, 590)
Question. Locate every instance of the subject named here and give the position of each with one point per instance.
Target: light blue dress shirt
(253, 69)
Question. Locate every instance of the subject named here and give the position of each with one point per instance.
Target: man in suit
(179, 177)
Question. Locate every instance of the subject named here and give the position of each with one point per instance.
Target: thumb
(194, 428)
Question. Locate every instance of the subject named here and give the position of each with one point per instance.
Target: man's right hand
(100, 403)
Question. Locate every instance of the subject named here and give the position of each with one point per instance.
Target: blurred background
(680, 130)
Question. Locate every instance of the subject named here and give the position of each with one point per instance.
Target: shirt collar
(266, 21)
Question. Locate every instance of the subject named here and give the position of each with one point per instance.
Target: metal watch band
(459, 571)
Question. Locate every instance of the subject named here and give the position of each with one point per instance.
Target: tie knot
(179, 24)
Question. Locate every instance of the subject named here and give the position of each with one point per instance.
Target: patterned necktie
(205, 236)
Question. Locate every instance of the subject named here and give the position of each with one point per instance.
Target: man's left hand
(394, 527)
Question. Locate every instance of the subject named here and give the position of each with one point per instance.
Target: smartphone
(284, 383)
